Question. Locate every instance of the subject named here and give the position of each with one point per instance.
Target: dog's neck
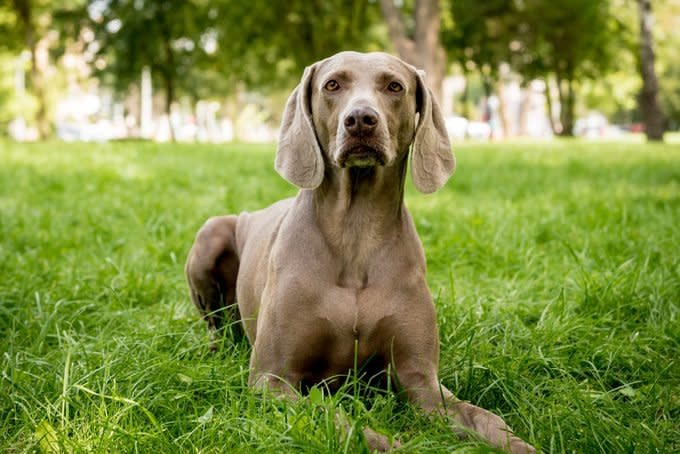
(356, 210)
(373, 196)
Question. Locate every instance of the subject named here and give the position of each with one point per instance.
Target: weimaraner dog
(339, 270)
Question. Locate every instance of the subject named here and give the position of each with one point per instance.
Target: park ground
(555, 269)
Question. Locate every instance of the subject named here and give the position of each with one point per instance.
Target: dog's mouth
(361, 155)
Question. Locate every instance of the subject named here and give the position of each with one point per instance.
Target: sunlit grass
(555, 267)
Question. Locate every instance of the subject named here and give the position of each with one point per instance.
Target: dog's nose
(361, 121)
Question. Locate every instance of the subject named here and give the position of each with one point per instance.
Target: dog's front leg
(287, 386)
(424, 390)
(280, 387)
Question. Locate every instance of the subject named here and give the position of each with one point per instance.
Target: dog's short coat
(341, 265)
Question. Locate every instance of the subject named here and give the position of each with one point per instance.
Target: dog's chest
(352, 321)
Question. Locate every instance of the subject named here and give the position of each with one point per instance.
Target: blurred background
(217, 71)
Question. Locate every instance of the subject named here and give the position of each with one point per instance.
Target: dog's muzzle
(361, 155)
(361, 145)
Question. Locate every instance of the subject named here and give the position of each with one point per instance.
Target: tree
(213, 49)
(648, 98)
(42, 29)
(32, 20)
(266, 44)
(419, 45)
(479, 38)
(168, 36)
(667, 59)
(26, 19)
(570, 42)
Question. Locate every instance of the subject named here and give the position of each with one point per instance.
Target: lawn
(555, 268)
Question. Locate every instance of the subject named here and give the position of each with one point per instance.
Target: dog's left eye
(395, 87)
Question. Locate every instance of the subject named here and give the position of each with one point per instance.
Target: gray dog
(339, 270)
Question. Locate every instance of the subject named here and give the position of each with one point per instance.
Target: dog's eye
(332, 85)
(395, 87)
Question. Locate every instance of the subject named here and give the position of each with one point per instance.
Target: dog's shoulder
(257, 226)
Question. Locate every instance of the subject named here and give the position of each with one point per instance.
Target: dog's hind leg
(211, 270)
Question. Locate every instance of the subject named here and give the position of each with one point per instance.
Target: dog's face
(363, 108)
(360, 110)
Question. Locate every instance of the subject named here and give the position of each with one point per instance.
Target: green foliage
(167, 36)
(24, 23)
(478, 34)
(12, 105)
(670, 92)
(573, 42)
(575, 39)
(267, 43)
(12, 37)
(614, 94)
(554, 268)
(667, 16)
(213, 46)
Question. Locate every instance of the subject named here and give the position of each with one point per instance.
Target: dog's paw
(379, 442)
(519, 446)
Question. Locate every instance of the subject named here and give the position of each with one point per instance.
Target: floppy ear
(298, 157)
(432, 160)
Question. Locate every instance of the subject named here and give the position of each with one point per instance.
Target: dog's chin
(361, 156)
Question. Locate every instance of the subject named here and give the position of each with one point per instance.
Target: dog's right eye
(332, 85)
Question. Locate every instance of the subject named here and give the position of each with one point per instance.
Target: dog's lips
(361, 155)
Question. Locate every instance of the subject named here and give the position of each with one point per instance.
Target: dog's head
(363, 110)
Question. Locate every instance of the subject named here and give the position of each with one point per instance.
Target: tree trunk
(405, 47)
(503, 110)
(487, 113)
(235, 106)
(560, 99)
(525, 94)
(465, 111)
(24, 11)
(169, 80)
(169, 98)
(648, 99)
(566, 104)
(428, 24)
(424, 51)
(38, 85)
(568, 119)
(549, 106)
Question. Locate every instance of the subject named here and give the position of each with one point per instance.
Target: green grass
(555, 268)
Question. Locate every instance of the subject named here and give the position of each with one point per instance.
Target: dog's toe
(379, 442)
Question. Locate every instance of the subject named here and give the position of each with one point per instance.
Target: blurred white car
(479, 130)
(592, 126)
(460, 128)
(99, 131)
(456, 127)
